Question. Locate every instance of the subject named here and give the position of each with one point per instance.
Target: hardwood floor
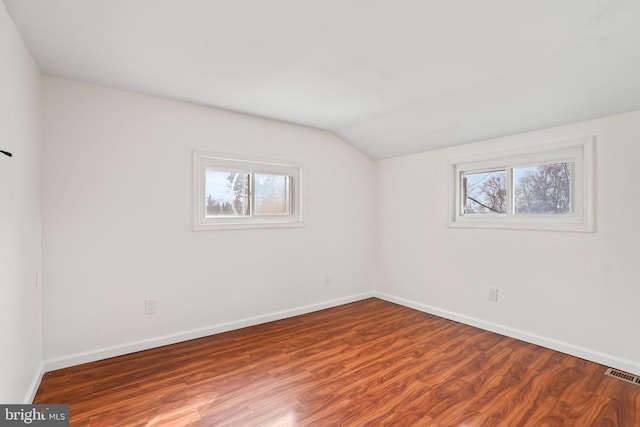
(370, 363)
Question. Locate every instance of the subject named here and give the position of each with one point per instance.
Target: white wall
(20, 245)
(117, 220)
(117, 229)
(577, 292)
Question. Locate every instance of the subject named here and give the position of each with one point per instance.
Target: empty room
(289, 213)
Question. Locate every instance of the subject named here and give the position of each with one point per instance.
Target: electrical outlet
(150, 305)
(493, 294)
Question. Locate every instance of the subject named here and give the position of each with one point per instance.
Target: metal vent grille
(633, 379)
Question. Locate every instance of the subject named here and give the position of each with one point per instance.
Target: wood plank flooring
(370, 363)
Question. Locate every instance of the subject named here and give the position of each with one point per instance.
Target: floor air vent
(633, 379)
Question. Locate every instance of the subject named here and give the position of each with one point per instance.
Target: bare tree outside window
(525, 188)
(541, 189)
(485, 192)
(232, 193)
(273, 194)
(544, 189)
(227, 193)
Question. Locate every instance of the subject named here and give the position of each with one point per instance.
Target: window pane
(227, 193)
(484, 192)
(273, 194)
(544, 189)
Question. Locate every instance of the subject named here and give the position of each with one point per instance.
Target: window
(245, 193)
(549, 189)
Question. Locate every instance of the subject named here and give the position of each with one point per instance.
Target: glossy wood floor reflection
(370, 363)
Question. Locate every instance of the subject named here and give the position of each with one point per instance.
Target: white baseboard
(573, 350)
(132, 347)
(35, 383)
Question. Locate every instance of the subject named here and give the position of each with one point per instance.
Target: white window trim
(202, 159)
(579, 151)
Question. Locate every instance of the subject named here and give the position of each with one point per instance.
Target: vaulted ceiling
(390, 77)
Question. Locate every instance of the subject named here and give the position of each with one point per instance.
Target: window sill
(247, 226)
(521, 225)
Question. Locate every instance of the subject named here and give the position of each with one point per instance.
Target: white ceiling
(391, 77)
